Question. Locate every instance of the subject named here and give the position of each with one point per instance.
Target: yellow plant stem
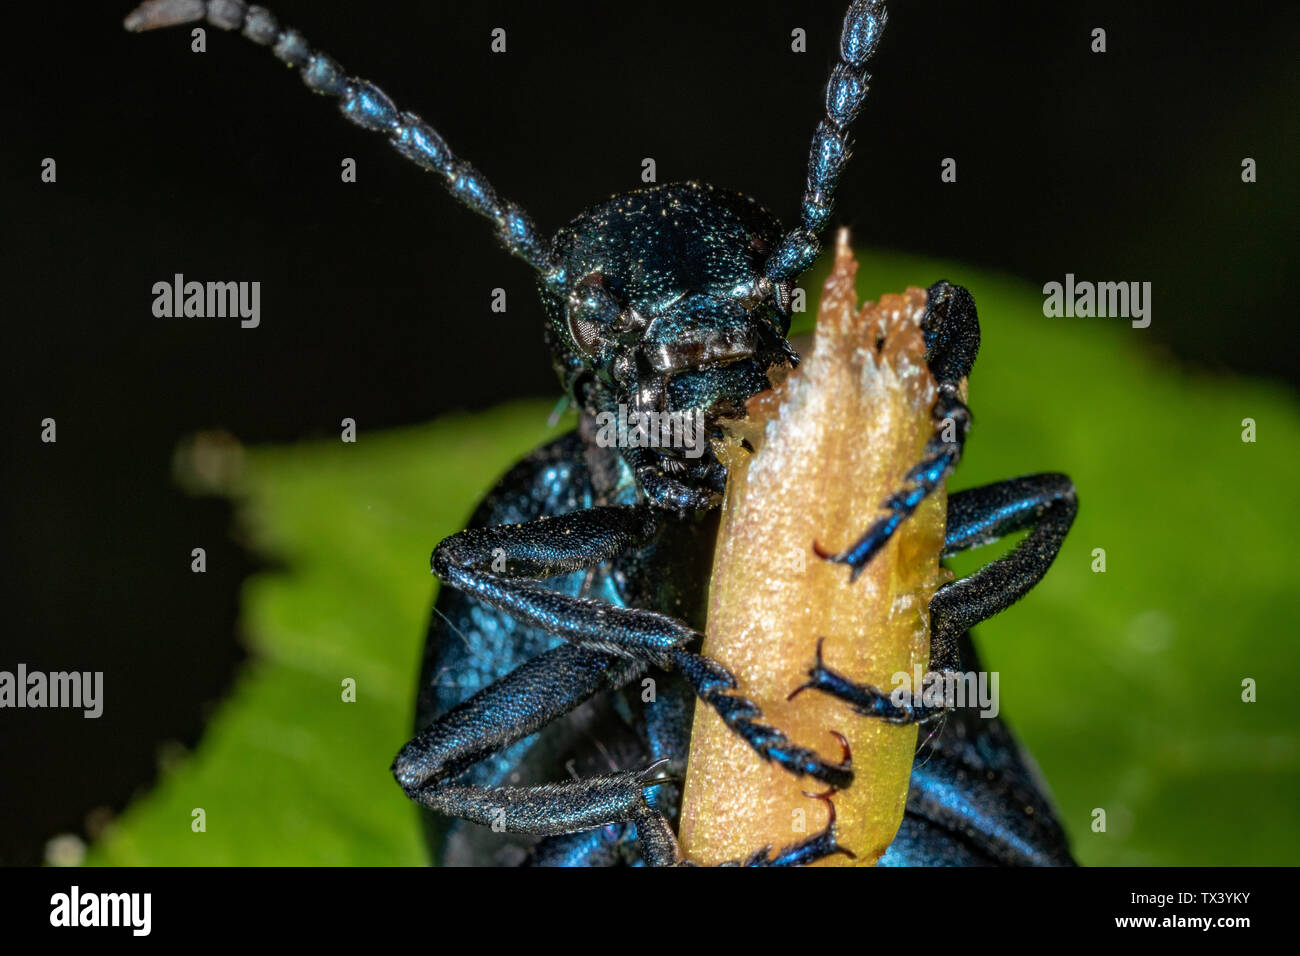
(830, 443)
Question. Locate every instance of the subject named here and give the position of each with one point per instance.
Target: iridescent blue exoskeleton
(584, 570)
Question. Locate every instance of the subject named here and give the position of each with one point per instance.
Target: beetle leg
(660, 848)
(549, 809)
(864, 699)
(489, 564)
(667, 727)
(608, 846)
(505, 712)
(1045, 503)
(715, 685)
(952, 336)
(519, 704)
(516, 706)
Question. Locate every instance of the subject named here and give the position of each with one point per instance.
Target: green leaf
(287, 772)
(1126, 685)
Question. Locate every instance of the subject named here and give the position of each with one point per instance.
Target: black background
(375, 295)
(339, 907)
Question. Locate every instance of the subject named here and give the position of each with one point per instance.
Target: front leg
(952, 340)
(1047, 504)
(496, 564)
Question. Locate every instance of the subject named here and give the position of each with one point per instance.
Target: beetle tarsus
(952, 336)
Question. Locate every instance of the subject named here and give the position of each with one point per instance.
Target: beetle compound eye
(585, 333)
(592, 313)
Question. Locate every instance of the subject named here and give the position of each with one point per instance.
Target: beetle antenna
(845, 92)
(364, 104)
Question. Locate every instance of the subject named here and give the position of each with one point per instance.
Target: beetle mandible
(580, 573)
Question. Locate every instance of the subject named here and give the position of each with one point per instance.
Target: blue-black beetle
(584, 567)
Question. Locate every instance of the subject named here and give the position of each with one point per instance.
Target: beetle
(581, 571)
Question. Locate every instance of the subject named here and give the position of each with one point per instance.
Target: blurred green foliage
(1126, 685)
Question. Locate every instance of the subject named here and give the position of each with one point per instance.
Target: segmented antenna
(364, 104)
(845, 93)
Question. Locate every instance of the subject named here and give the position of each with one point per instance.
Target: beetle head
(657, 306)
